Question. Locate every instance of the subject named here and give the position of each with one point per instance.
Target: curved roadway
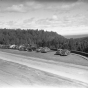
(75, 73)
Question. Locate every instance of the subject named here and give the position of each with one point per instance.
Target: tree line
(41, 38)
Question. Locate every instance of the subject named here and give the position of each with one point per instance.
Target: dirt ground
(50, 56)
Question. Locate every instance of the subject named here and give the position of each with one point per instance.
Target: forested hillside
(41, 38)
(34, 37)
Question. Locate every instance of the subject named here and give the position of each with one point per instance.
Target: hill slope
(34, 37)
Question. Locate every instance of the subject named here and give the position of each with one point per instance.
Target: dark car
(29, 49)
(39, 49)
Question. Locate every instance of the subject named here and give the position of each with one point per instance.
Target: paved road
(75, 73)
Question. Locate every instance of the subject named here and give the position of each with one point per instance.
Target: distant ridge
(76, 36)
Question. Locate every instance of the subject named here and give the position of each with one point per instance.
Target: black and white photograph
(43, 43)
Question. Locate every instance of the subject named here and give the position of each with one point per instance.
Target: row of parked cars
(62, 52)
(23, 47)
(30, 48)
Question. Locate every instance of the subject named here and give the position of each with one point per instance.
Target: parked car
(39, 49)
(4, 46)
(33, 48)
(58, 52)
(29, 49)
(13, 46)
(22, 48)
(62, 52)
(45, 50)
(65, 52)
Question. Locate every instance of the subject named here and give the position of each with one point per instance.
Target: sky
(66, 17)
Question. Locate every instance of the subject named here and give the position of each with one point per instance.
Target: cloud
(66, 1)
(83, 0)
(32, 5)
(24, 7)
(57, 0)
(62, 24)
(65, 22)
(28, 21)
(16, 8)
(24, 24)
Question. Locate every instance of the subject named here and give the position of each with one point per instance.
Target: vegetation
(33, 37)
(41, 38)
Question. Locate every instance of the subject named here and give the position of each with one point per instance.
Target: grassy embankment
(74, 59)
